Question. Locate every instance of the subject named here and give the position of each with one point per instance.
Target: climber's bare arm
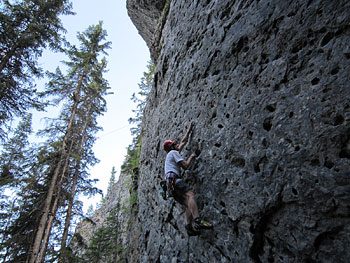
(186, 164)
(185, 138)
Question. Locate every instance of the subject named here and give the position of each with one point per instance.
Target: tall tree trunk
(75, 181)
(69, 215)
(53, 210)
(47, 204)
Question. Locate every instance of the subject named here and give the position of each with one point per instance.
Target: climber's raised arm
(185, 138)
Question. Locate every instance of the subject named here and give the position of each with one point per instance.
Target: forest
(41, 184)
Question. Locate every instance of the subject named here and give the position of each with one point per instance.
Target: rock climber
(181, 191)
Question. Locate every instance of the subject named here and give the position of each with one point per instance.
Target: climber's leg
(191, 207)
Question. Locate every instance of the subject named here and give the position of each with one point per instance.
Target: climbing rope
(188, 249)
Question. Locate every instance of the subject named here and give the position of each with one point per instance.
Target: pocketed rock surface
(266, 84)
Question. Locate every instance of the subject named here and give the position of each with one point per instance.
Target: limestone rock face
(145, 15)
(118, 197)
(267, 85)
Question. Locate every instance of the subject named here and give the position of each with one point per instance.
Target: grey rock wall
(84, 232)
(267, 85)
(145, 14)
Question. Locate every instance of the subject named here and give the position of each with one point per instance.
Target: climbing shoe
(191, 231)
(199, 223)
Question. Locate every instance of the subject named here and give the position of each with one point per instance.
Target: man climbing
(182, 192)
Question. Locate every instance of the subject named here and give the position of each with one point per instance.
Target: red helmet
(167, 145)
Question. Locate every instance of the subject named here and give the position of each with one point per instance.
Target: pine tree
(92, 106)
(16, 162)
(145, 87)
(85, 81)
(111, 181)
(90, 211)
(15, 156)
(30, 195)
(105, 245)
(27, 27)
(133, 153)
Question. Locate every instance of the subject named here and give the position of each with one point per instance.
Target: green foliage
(28, 171)
(70, 257)
(90, 211)
(131, 161)
(21, 229)
(84, 79)
(26, 28)
(100, 244)
(145, 87)
(133, 207)
(112, 181)
(84, 70)
(165, 10)
(133, 154)
(105, 245)
(16, 159)
(133, 199)
(16, 165)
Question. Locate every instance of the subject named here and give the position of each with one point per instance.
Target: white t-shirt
(171, 162)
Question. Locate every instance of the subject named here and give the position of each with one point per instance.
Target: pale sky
(127, 61)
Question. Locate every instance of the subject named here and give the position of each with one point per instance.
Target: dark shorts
(180, 190)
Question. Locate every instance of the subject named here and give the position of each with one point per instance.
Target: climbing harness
(168, 185)
(171, 179)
